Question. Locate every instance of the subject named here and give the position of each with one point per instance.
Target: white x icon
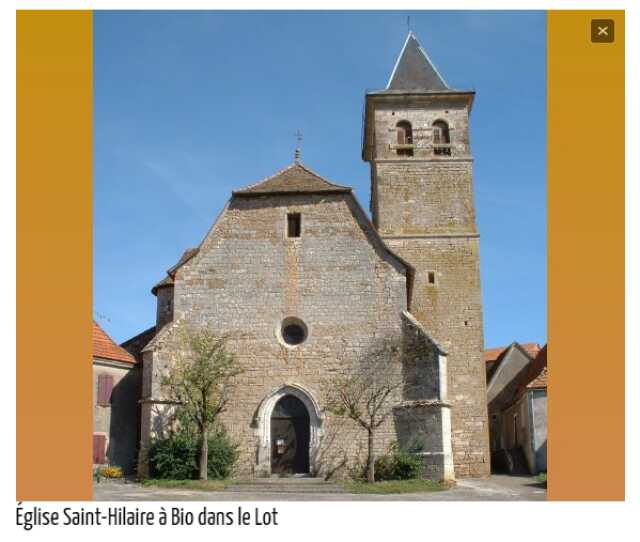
(603, 31)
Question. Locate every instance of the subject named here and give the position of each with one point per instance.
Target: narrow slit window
(294, 224)
(431, 277)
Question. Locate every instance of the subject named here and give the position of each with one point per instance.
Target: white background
(340, 522)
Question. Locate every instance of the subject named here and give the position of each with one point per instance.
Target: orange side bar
(586, 257)
(53, 229)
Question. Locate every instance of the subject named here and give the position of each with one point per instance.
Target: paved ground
(495, 488)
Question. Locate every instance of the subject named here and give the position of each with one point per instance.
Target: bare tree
(200, 381)
(364, 392)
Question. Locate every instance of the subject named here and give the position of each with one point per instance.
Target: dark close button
(602, 30)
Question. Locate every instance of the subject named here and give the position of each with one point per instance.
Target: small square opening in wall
(431, 277)
(294, 223)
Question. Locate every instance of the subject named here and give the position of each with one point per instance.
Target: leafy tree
(364, 392)
(176, 457)
(200, 382)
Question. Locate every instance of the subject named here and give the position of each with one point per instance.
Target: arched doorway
(290, 436)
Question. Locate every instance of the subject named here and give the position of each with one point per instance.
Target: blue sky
(189, 105)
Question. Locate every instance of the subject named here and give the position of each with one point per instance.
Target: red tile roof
(534, 378)
(540, 381)
(105, 348)
(539, 373)
(492, 354)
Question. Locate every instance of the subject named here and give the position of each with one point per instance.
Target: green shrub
(398, 465)
(223, 455)
(176, 457)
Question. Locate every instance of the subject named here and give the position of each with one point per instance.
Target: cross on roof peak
(297, 154)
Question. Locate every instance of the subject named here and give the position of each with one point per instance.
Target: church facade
(305, 286)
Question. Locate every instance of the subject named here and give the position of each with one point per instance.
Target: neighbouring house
(517, 404)
(116, 409)
(303, 284)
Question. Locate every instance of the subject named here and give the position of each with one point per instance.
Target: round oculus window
(293, 331)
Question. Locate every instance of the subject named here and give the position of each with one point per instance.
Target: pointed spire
(414, 69)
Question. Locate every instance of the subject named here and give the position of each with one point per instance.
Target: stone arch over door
(262, 425)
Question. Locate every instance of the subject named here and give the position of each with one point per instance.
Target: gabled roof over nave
(295, 179)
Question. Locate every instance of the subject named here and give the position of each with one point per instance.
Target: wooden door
(290, 437)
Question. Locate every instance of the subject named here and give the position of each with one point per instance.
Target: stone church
(304, 284)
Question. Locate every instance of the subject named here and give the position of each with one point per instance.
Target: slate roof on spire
(294, 179)
(414, 70)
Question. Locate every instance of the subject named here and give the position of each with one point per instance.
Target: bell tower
(416, 139)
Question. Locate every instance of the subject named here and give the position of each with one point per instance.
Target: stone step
(285, 485)
(283, 481)
(261, 488)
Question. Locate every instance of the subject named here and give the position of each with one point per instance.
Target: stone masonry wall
(452, 311)
(164, 306)
(421, 114)
(248, 276)
(424, 198)
(423, 207)
(422, 420)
